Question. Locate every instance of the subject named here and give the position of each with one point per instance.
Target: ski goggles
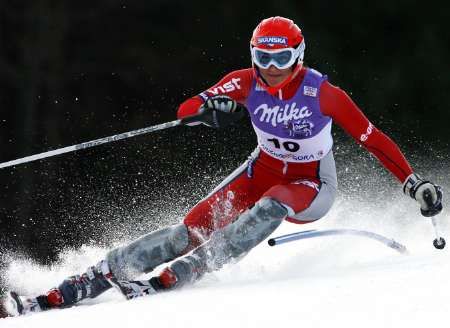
(280, 58)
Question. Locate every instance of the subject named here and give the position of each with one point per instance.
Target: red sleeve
(236, 84)
(335, 103)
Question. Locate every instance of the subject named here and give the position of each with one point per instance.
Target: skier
(290, 176)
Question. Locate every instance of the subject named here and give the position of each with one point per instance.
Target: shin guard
(147, 252)
(231, 242)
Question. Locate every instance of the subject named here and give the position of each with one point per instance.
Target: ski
(14, 305)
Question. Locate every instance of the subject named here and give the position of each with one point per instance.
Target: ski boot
(76, 288)
(72, 290)
(137, 288)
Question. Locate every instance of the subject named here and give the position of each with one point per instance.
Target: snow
(336, 281)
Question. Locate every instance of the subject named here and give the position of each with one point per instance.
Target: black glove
(426, 193)
(220, 111)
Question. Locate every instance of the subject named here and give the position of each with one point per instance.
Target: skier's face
(274, 76)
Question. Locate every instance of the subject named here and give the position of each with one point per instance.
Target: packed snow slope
(335, 281)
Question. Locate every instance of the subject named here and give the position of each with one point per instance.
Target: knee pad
(147, 252)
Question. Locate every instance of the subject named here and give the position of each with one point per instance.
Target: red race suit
(306, 188)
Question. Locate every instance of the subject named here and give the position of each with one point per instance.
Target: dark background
(73, 71)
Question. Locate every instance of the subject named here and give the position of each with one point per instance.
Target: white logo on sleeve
(366, 135)
(308, 183)
(226, 87)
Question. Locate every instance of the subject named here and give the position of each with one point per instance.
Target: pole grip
(439, 242)
(434, 208)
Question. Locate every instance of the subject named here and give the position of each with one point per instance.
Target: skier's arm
(236, 85)
(340, 107)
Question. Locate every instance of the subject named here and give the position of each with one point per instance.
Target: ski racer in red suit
(290, 176)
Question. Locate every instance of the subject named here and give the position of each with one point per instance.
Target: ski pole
(439, 242)
(97, 142)
(391, 243)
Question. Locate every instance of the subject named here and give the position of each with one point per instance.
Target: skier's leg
(147, 252)
(230, 242)
(302, 201)
(142, 255)
(308, 199)
(231, 197)
(72, 290)
(125, 262)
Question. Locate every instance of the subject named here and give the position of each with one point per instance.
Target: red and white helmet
(277, 41)
(277, 33)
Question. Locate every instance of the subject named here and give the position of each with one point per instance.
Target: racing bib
(292, 130)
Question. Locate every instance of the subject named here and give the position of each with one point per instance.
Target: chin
(273, 83)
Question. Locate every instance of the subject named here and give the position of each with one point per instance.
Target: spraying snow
(322, 282)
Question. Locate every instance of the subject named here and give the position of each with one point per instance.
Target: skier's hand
(221, 103)
(220, 111)
(426, 193)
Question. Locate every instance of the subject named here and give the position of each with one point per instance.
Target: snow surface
(339, 281)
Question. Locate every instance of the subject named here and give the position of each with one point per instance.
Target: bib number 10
(286, 145)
